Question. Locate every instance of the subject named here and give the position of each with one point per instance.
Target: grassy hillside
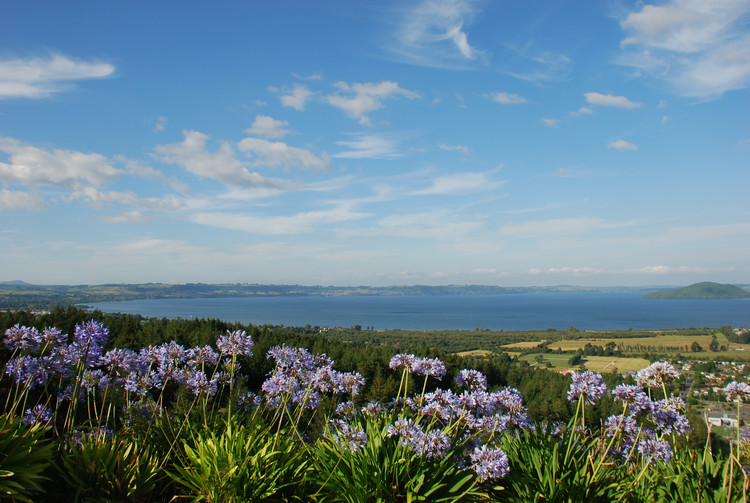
(704, 290)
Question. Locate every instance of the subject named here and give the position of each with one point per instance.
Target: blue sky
(375, 143)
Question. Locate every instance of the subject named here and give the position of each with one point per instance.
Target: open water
(584, 311)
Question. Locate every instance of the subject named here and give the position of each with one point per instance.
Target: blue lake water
(584, 311)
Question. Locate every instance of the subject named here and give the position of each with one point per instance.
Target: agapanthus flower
(403, 360)
(668, 416)
(249, 401)
(588, 385)
(409, 434)
(471, 379)
(38, 415)
(737, 391)
(23, 338)
(236, 342)
(351, 438)
(198, 357)
(373, 409)
(489, 463)
(197, 382)
(429, 367)
(28, 370)
(345, 382)
(434, 444)
(119, 360)
(632, 396)
(89, 339)
(653, 450)
(442, 403)
(656, 374)
(345, 409)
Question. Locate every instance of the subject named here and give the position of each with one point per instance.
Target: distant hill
(704, 290)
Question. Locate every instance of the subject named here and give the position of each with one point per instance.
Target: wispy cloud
(608, 100)
(359, 99)
(700, 47)
(299, 223)
(465, 151)
(369, 146)
(18, 200)
(277, 154)
(461, 183)
(622, 145)
(551, 123)
(507, 98)
(433, 33)
(41, 77)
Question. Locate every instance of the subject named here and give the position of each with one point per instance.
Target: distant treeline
(21, 295)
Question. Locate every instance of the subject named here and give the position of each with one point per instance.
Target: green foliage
(24, 456)
(98, 467)
(385, 471)
(242, 464)
(543, 469)
(692, 477)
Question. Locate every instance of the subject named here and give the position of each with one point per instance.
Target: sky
(345, 142)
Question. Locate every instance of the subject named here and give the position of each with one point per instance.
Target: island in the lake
(704, 290)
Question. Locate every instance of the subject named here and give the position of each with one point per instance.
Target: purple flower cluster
(300, 377)
(656, 374)
(38, 415)
(644, 423)
(471, 379)
(588, 385)
(428, 367)
(352, 439)
(235, 343)
(737, 391)
(433, 444)
(489, 463)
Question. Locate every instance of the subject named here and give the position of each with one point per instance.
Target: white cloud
(128, 217)
(276, 154)
(300, 223)
(582, 111)
(268, 127)
(364, 146)
(608, 100)
(571, 271)
(41, 77)
(433, 33)
(461, 183)
(359, 99)
(297, 97)
(465, 151)
(622, 145)
(222, 165)
(97, 197)
(63, 168)
(161, 123)
(553, 123)
(507, 98)
(16, 200)
(700, 47)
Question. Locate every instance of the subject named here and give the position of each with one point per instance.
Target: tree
(695, 347)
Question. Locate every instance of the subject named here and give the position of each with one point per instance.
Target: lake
(584, 311)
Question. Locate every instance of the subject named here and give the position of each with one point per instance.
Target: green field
(599, 364)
